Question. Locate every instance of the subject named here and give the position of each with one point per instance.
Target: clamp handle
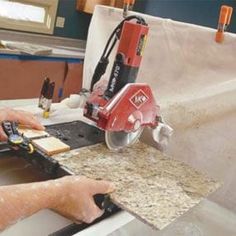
(127, 6)
(224, 21)
(15, 138)
(104, 202)
(10, 128)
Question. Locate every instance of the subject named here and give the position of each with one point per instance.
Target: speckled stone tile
(153, 187)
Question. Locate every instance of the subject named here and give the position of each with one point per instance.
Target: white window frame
(47, 27)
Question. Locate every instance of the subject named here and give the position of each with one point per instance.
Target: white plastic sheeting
(194, 81)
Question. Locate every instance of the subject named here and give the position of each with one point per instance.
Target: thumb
(92, 211)
(100, 186)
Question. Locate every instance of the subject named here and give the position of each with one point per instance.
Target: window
(28, 15)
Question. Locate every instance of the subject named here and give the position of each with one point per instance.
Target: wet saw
(123, 108)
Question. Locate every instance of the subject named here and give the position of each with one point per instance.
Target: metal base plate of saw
(76, 134)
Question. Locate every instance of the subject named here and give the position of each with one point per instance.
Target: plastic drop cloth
(194, 81)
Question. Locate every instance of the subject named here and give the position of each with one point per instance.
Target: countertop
(153, 187)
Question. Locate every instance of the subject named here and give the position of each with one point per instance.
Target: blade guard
(134, 106)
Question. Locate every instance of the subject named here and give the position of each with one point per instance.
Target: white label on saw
(138, 99)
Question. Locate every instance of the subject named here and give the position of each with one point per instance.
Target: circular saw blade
(121, 139)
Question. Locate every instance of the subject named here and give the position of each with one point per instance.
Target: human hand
(71, 196)
(22, 117)
(76, 197)
(101, 84)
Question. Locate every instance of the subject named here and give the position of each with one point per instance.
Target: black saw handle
(104, 202)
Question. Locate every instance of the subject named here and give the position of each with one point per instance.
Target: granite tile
(150, 185)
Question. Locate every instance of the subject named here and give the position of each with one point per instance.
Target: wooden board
(51, 145)
(32, 133)
(153, 187)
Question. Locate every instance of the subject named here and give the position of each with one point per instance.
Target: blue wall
(76, 23)
(201, 12)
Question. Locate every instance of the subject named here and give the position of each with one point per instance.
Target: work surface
(151, 186)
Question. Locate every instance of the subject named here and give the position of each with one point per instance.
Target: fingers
(92, 211)
(24, 118)
(31, 121)
(95, 186)
(77, 200)
(100, 186)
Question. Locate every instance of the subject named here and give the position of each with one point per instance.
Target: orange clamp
(129, 2)
(128, 6)
(224, 21)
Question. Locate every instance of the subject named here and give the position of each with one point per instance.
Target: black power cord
(104, 60)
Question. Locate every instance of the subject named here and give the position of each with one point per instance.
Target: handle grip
(10, 128)
(104, 202)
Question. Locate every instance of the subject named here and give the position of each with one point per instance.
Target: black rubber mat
(76, 134)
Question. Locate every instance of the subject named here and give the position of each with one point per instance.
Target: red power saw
(124, 107)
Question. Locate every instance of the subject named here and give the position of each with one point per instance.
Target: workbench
(216, 218)
(195, 87)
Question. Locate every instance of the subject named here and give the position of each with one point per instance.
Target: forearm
(70, 196)
(20, 201)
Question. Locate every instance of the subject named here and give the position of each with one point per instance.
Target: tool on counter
(46, 95)
(43, 92)
(15, 139)
(128, 6)
(123, 108)
(224, 21)
(33, 140)
(48, 100)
